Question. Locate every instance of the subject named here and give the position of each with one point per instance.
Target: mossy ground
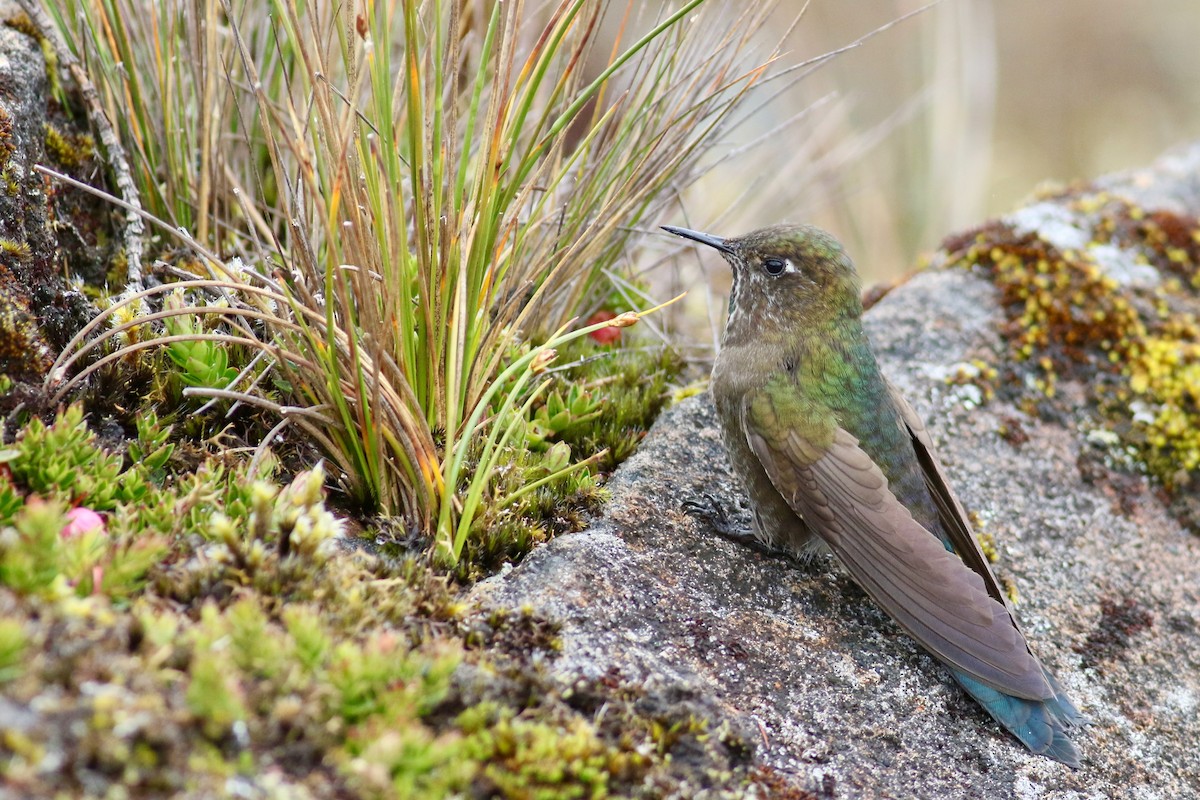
(1118, 315)
(215, 634)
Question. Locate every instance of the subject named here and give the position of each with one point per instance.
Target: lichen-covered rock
(845, 703)
(22, 119)
(46, 230)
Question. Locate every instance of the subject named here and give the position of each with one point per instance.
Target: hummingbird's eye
(775, 266)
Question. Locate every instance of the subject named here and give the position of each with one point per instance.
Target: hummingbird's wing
(954, 523)
(950, 512)
(844, 498)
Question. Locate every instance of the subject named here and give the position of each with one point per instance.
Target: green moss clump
(529, 505)
(633, 384)
(532, 758)
(210, 629)
(592, 418)
(70, 150)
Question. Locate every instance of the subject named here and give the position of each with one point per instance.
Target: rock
(846, 704)
(46, 229)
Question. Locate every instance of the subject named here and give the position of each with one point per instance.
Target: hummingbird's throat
(733, 294)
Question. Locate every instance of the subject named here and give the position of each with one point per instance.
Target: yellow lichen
(977, 373)
(987, 545)
(1131, 343)
(1165, 379)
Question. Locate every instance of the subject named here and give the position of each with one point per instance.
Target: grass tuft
(402, 210)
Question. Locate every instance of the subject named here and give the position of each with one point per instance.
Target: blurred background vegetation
(954, 115)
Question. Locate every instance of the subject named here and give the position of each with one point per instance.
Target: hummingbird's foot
(717, 515)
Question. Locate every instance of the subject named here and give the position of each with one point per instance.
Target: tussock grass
(402, 206)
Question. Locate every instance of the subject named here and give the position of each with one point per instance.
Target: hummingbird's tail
(1041, 725)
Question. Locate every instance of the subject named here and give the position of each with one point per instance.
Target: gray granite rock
(843, 700)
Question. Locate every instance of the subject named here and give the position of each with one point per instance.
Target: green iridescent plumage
(831, 454)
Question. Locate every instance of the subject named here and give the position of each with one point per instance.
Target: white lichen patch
(1053, 223)
(1124, 267)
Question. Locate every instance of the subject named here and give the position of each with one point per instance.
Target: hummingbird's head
(784, 276)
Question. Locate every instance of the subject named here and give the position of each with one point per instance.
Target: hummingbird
(832, 456)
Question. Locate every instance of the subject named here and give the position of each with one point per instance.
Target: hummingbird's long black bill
(702, 238)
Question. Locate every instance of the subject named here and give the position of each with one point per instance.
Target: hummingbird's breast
(739, 370)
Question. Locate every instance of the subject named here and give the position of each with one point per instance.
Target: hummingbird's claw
(713, 511)
(717, 514)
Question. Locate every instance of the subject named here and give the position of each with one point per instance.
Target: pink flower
(81, 520)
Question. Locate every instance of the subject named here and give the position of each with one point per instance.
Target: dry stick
(117, 161)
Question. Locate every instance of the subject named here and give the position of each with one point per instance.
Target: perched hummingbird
(830, 453)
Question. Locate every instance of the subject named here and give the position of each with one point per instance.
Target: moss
(7, 146)
(118, 268)
(70, 150)
(12, 649)
(518, 632)
(18, 250)
(529, 758)
(509, 528)
(987, 544)
(978, 374)
(617, 739)
(602, 402)
(23, 351)
(1062, 308)
(23, 24)
(1164, 379)
(633, 384)
(1134, 342)
(1169, 241)
(241, 644)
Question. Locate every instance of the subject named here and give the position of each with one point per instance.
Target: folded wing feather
(844, 497)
